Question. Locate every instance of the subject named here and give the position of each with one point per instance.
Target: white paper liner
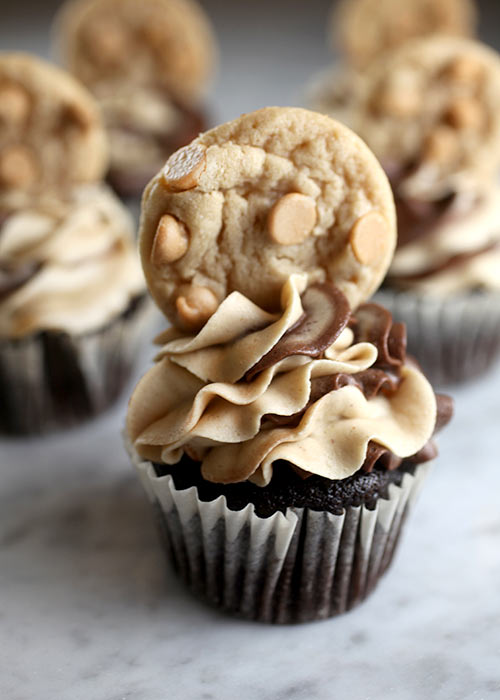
(454, 339)
(295, 567)
(52, 380)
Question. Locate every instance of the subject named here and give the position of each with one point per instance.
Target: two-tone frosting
(449, 242)
(67, 262)
(327, 391)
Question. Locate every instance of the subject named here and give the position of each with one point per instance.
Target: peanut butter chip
(369, 238)
(17, 167)
(183, 169)
(292, 218)
(14, 104)
(441, 145)
(195, 305)
(171, 241)
(107, 43)
(465, 113)
(401, 103)
(465, 69)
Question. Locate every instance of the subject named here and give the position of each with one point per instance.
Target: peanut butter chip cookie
(166, 43)
(366, 28)
(50, 128)
(432, 106)
(278, 191)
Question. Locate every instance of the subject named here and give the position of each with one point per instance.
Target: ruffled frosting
(198, 399)
(459, 251)
(65, 263)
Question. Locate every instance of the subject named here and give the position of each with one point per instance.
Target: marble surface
(89, 609)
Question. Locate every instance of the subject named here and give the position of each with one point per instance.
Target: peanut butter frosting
(67, 262)
(312, 385)
(451, 244)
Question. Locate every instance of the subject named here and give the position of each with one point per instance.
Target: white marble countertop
(90, 610)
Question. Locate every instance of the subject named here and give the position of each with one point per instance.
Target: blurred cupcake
(148, 64)
(363, 30)
(430, 113)
(72, 301)
(281, 436)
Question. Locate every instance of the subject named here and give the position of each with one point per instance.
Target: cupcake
(430, 113)
(148, 64)
(282, 434)
(363, 30)
(72, 300)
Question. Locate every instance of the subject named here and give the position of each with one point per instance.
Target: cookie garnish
(12, 277)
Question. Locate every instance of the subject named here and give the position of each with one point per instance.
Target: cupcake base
(454, 339)
(53, 380)
(296, 566)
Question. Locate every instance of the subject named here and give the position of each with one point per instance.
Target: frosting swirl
(448, 242)
(326, 411)
(66, 263)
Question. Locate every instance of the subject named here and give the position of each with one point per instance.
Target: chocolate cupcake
(280, 435)
(430, 113)
(148, 64)
(73, 306)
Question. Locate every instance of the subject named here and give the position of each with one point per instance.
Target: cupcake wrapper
(52, 379)
(295, 567)
(455, 339)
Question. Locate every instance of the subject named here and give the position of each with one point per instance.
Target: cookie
(337, 92)
(168, 43)
(365, 28)
(430, 111)
(247, 204)
(51, 133)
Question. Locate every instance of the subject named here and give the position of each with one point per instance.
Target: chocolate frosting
(355, 404)
(326, 314)
(191, 122)
(450, 263)
(12, 277)
(417, 218)
(374, 324)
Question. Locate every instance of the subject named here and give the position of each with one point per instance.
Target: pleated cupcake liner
(454, 339)
(52, 379)
(295, 567)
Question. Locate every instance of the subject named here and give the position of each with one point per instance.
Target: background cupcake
(363, 30)
(279, 435)
(430, 113)
(72, 302)
(148, 64)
